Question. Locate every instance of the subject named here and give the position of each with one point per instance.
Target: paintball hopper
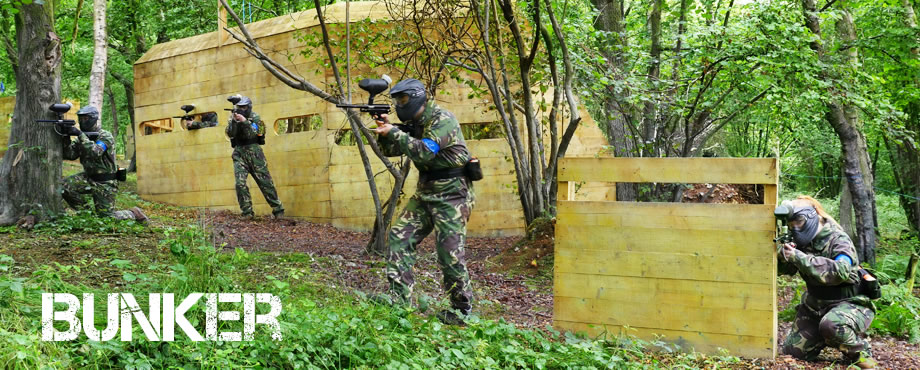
(782, 213)
(187, 108)
(60, 108)
(375, 86)
(234, 99)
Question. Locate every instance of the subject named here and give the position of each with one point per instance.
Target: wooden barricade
(702, 276)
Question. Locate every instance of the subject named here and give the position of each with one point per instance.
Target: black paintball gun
(62, 126)
(782, 213)
(376, 86)
(233, 99)
(373, 86)
(187, 109)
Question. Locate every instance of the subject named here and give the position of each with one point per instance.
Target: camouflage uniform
(97, 158)
(248, 159)
(208, 120)
(440, 205)
(839, 323)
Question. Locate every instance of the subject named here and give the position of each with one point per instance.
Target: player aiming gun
(375, 86)
(65, 127)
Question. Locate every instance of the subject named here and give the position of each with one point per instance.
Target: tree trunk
(31, 169)
(131, 136)
(615, 121)
(650, 109)
(100, 56)
(111, 95)
(853, 147)
(905, 158)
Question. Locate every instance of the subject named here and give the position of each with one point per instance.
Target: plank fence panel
(702, 276)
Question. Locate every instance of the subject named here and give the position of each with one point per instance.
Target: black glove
(72, 131)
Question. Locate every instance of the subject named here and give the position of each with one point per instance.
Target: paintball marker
(376, 86)
(782, 214)
(60, 124)
(373, 86)
(233, 100)
(186, 108)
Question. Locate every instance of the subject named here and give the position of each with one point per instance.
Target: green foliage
(898, 313)
(86, 221)
(321, 327)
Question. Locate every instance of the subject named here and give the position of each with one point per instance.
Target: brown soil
(724, 193)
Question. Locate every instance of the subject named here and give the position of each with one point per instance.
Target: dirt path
(516, 293)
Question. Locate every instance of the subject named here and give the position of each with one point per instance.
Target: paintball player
(99, 169)
(834, 311)
(442, 202)
(247, 133)
(207, 120)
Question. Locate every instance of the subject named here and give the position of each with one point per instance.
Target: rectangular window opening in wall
(482, 130)
(156, 126)
(290, 125)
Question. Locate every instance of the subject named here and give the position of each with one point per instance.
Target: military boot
(451, 317)
(863, 360)
(139, 215)
(278, 215)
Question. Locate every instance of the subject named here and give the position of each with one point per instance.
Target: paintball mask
(244, 107)
(409, 97)
(88, 117)
(803, 225)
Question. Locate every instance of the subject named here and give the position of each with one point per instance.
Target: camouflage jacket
(441, 146)
(97, 157)
(195, 125)
(816, 263)
(247, 130)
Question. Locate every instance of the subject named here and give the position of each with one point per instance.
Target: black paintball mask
(244, 107)
(803, 225)
(88, 117)
(409, 97)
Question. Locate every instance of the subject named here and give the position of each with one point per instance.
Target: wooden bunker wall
(701, 275)
(316, 179)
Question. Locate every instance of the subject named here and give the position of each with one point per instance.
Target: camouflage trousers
(443, 206)
(843, 326)
(75, 188)
(250, 160)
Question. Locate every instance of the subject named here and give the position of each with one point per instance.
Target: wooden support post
(911, 272)
(222, 35)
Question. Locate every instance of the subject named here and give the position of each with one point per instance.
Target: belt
(103, 177)
(240, 142)
(447, 173)
(832, 293)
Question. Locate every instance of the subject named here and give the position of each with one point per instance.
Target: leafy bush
(898, 313)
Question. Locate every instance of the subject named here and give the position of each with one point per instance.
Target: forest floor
(512, 277)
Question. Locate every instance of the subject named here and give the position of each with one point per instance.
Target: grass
(322, 326)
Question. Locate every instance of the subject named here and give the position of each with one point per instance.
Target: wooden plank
(660, 240)
(670, 170)
(741, 345)
(668, 317)
(665, 265)
(667, 221)
(654, 292)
